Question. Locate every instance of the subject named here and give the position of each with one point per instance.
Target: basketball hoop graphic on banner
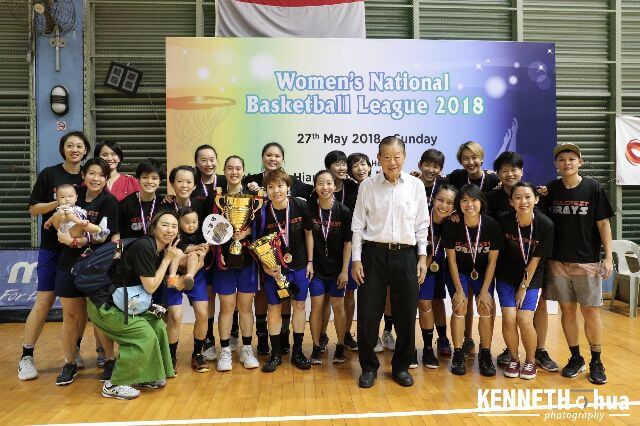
(627, 150)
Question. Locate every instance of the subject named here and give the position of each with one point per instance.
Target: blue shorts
(299, 278)
(318, 287)
(352, 285)
(197, 294)
(209, 275)
(434, 284)
(468, 283)
(46, 269)
(507, 297)
(65, 285)
(243, 280)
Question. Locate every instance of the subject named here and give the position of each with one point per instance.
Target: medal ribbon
(433, 245)
(175, 204)
(481, 180)
(325, 231)
(525, 256)
(204, 185)
(282, 232)
(144, 221)
(474, 250)
(430, 197)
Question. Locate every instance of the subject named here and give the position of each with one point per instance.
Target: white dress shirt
(390, 213)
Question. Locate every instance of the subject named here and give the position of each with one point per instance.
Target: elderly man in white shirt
(389, 248)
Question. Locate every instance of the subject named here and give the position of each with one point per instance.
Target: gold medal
(474, 275)
(434, 267)
(287, 258)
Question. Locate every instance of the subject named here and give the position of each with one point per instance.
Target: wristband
(309, 261)
(74, 243)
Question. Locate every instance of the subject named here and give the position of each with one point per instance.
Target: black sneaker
(68, 373)
(350, 342)
(108, 370)
(457, 363)
(444, 346)
(573, 367)
(324, 341)
(316, 355)
(299, 360)
(285, 346)
(504, 358)
(545, 362)
(174, 363)
(263, 344)
(272, 364)
(340, 355)
(596, 373)
(486, 363)
(429, 359)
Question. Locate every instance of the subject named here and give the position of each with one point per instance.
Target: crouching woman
(144, 360)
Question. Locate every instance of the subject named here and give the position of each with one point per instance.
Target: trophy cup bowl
(239, 209)
(265, 251)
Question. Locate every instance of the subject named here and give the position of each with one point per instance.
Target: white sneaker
(27, 368)
(224, 360)
(247, 358)
(379, 347)
(209, 354)
(119, 392)
(79, 360)
(233, 343)
(388, 340)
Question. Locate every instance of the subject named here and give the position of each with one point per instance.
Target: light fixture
(59, 100)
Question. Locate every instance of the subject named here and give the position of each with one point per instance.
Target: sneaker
(209, 352)
(224, 360)
(263, 344)
(272, 364)
(174, 362)
(486, 363)
(324, 342)
(350, 342)
(27, 368)
(379, 347)
(316, 355)
(512, 369)
(414, 362)
(468, 347)
(573, 367)
(108, 370)
(444, 346)
(429, 359)
(457, 363)
(299, 360)
(101, 358)
(285, 346)
(199, 364)
(119, 392)
(504, 358)
(544, 360)
(233, 343)
(388, 341)
(596, 373)
(340, 355)
(79, 361)
(67, 375)
(158, 384)
(247, 358)
(529, 371)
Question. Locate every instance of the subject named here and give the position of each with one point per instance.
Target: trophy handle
(257, 202)
(217, 198)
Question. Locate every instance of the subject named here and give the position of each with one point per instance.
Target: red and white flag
(290, 18)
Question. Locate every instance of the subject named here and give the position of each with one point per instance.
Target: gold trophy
(239, 209)
(265, 250)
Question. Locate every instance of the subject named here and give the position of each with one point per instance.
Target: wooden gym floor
(244, 395)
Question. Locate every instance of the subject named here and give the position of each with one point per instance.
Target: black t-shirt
(348, 194)
(202, 206)
(44, 191)
(194, 239)
(511, 265)
(298, 188)
(203, 190)
(431, 191)
(297, 247)
(328, 264)
(455, 237)
(460, 178)
(104, 205)
(131, 224)
(139, 259)
(574, 213)
(499, 204)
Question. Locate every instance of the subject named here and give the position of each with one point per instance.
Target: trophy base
(235, 248)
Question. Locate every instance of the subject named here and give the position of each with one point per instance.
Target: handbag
(132, 300)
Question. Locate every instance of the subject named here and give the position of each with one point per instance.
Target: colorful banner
(317, 95)
(627, 150)
(18, 279)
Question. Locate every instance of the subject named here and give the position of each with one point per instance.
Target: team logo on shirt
(483, 247)
(525, 240)
(570, 207)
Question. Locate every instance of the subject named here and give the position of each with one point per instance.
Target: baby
(73, 219)
(195, 249)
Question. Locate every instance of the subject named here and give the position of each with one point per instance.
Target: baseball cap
(566, 147)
